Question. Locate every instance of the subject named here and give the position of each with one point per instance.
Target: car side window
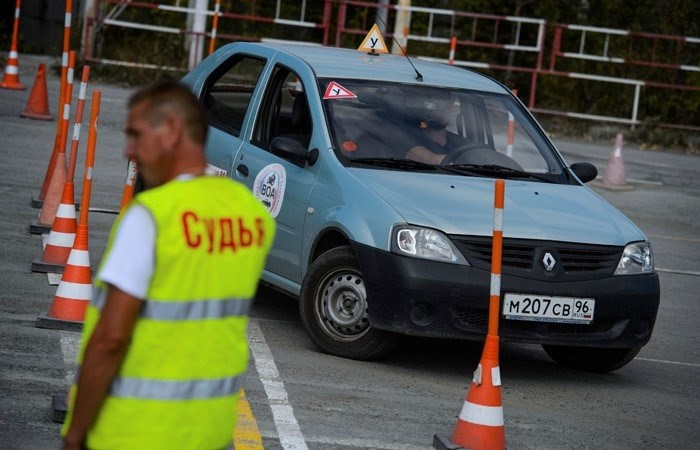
(229, 92)
(510, 138)
(284, 111)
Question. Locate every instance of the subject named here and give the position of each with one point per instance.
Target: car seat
(301, 120)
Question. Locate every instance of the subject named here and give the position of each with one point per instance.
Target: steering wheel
(480, 154)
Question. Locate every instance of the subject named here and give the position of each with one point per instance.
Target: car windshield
(382, 124)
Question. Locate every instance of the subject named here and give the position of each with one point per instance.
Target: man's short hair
(165, 97)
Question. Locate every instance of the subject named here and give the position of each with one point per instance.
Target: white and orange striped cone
(480, 425)
(62, 235)
(75, 290)
(614, 176)
(480, 422)
(11, 78)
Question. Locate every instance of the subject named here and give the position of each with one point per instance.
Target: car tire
(591, 359)
(333, 308)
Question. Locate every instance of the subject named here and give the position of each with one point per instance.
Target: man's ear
(173, 128)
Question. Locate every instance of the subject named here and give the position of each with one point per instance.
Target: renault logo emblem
(548, 262)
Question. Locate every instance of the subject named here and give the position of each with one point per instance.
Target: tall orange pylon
(480, 425)
(38, 201)
(65, 218)
(67, 311)
(215, 23)
(11, 78)
(38, 103)
(58, 178)
(129, 184)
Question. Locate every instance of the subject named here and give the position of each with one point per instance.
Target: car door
(228, 98)
(282, 185)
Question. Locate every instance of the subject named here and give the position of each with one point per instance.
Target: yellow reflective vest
(177, 387)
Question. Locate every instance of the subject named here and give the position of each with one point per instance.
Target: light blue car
(380, 171)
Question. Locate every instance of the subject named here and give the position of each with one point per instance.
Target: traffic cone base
(13, 86)
(38, 103)
(36, 227)
(44, 321)
(59, 408)
(37, 202)
(40, 266)
(443, 443)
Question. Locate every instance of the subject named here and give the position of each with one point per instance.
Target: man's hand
(69, 445)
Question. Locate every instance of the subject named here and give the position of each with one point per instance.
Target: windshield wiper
(493, 169)
(394, 163)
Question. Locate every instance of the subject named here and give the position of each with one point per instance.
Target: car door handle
(243, 169)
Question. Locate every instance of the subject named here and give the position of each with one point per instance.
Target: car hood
(464, 205)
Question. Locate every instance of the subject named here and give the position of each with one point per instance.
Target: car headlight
(425, 243)
(636, 258)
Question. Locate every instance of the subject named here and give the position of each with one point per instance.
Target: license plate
(548, 309)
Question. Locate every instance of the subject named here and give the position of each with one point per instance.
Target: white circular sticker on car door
(269, 187)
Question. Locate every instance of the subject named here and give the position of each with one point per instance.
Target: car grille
(521, 257)
(477, 320)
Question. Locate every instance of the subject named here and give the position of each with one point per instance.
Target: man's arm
(421, 153)
(103, 356)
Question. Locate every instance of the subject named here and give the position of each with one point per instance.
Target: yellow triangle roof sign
(373, 43)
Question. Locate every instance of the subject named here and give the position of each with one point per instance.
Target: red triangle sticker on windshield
(335, 90)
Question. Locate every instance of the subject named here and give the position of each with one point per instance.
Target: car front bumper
(421, 297)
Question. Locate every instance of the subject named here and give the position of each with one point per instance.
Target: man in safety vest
(164, 348)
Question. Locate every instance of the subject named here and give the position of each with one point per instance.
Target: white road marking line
(70, 343)
(678, 363)
(680, 272)
(673, 238)
(282, 412)
(54, 278)
(356, 443)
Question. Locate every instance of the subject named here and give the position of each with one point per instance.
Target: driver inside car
(432, 142)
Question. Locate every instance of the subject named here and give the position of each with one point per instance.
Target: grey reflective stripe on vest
(195, 310)
(139, 388)
(187, 310)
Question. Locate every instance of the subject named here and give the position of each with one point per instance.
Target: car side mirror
(290, 149)
(584, 171)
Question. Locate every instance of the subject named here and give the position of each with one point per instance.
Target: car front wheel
(333, 308)
(591, 359)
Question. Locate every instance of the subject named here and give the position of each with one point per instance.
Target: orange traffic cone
(75, 290)
(62, 235)
(614, 176)
(52, 201)
(11, 78)
(480, 424)
(38, 103)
